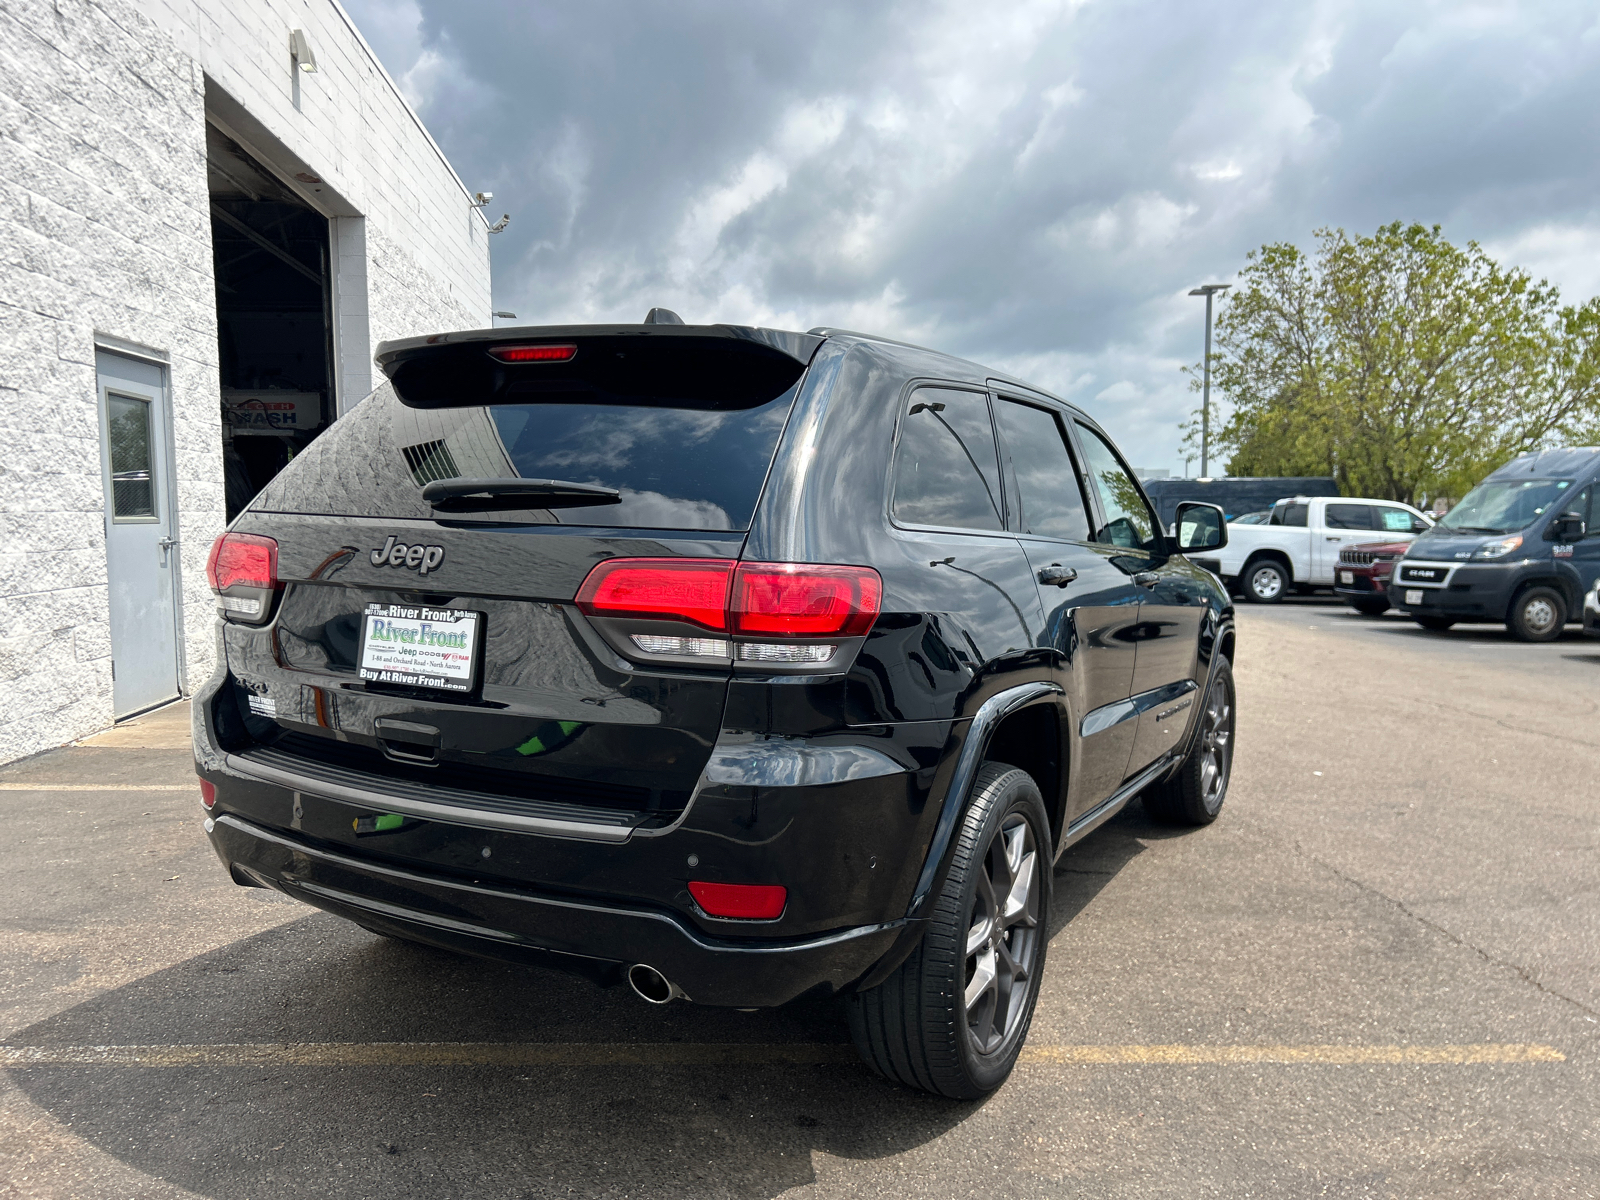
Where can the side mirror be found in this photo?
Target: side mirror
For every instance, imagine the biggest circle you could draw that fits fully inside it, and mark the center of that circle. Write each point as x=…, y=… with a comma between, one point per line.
x=1200, y=527
x=1568, y=527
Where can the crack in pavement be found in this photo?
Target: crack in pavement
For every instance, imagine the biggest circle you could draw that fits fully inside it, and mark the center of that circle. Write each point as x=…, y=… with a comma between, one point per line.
x=1522, y=972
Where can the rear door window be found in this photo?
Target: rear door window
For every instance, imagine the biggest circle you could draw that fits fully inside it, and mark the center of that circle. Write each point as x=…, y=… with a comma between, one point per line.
x=946, y=469
x=1349, y=516
x=1289, y=514
x=676, y=467
x=1049, y=495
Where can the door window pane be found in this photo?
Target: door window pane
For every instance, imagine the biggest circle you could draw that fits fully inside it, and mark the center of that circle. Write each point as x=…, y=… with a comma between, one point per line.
x=1047, y=480
x=946, y=470
x=1397, y=520
x=132, y=490
x=1289, y=514
x=1129, y=521
x=1350, y=516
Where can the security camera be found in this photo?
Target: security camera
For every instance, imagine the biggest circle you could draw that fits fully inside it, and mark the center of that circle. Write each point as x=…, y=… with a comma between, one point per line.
x=482, y=199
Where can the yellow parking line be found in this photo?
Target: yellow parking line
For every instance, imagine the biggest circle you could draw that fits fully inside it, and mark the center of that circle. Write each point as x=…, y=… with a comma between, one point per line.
x=1460, y=1055
x=97, y=787
x=595, y=1054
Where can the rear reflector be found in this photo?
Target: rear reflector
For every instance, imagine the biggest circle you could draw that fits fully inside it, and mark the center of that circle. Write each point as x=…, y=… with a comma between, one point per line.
x=208, y=793
x=242, y=560
x=744, y=901
x=532, y=354
x=669, y=589
x=765, y=600
x=801, y=600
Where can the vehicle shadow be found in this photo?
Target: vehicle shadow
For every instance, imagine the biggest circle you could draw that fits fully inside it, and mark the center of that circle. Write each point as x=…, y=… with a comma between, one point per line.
x=487, y=1130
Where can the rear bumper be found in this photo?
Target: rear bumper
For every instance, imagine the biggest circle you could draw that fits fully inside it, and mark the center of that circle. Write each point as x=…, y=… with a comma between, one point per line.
x=497, y=921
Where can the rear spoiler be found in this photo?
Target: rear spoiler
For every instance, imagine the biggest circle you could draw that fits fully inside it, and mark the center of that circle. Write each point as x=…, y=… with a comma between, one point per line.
x=675, y=366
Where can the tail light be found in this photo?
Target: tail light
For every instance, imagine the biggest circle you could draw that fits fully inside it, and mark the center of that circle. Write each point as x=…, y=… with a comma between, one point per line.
x=797, y=600
x=243, y=571
x=668, y=589
x=208, y=793
x=742, y=901
x=778, y=614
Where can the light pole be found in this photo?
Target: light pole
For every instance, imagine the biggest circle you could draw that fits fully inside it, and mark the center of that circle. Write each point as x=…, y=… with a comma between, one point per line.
x=1207, y=290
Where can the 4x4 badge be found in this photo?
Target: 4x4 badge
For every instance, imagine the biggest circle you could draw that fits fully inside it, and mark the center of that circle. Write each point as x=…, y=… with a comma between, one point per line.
x=397, y=554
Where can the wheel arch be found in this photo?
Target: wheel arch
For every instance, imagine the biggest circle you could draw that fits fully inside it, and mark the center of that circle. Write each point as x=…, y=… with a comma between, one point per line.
x=1562, y=586
x=1273, y=554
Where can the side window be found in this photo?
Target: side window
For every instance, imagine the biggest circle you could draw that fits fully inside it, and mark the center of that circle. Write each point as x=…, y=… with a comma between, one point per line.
x=1350, y=516
x=1591, y=519
x=1397, y=520
x=1129, y=521
x=1289, y=514
x=1051, y=500
x=946, y=470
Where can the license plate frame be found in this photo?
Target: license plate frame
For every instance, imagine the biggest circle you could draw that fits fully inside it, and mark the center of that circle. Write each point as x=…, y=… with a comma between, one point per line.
x=1347, y=577
x=436, y=650
x=1413, y=595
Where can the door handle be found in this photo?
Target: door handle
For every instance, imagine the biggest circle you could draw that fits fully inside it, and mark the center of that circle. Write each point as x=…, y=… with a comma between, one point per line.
x=1147, y=578
x=1057, y=574
x=166, y=543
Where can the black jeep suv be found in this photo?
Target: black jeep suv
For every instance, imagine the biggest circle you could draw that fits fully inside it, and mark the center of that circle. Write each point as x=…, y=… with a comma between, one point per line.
x=733, y=663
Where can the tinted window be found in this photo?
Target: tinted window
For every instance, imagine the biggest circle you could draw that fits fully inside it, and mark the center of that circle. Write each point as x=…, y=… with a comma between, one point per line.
x=1350, y=516
x=946, y=471
x=1289, y=514
x=1128, y=520
x=1047, y=480
x=677, y=468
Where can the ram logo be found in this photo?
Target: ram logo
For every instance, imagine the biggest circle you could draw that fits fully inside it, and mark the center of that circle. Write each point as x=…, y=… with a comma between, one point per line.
x=395, y=553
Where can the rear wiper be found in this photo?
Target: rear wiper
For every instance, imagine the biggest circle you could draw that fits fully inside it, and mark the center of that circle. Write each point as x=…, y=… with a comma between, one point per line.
x=488, y=495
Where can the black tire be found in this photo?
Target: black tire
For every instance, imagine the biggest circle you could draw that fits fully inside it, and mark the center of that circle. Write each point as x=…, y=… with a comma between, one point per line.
x=1370, y=608
x=1265, y=581
x=1194, y=795
x=916, y=1027
x=1435, y=624
x=1538, y=614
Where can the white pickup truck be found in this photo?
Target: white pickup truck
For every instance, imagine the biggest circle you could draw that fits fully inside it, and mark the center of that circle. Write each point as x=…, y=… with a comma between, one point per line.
x=1300, y=543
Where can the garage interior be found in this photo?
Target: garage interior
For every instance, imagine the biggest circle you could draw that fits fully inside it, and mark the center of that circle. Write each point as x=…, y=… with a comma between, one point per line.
x=274, y=317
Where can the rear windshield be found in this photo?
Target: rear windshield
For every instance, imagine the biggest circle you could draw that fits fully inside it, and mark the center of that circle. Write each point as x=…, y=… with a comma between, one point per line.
x=677, y=468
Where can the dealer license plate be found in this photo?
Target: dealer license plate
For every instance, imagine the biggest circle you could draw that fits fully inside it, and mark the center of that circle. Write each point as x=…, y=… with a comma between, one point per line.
x=1413, y=595
x=420, y=647
x=1347, y=576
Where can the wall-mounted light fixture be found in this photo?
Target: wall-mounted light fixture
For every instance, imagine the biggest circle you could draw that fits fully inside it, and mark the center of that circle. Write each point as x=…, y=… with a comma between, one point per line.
x=300, y=51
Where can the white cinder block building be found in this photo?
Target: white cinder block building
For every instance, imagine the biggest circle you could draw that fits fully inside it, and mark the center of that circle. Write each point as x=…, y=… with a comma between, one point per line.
x=201, y=240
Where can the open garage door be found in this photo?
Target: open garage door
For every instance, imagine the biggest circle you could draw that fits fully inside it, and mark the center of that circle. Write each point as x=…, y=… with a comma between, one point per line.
x=274, y=317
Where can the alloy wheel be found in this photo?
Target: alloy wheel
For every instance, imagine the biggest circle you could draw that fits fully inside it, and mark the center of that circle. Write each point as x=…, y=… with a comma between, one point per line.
x=1266, y=583
x=1216, y=746
x=1002, y=937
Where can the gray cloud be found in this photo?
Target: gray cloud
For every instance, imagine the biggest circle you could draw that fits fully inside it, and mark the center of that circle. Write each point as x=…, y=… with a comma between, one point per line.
x=1033, y=185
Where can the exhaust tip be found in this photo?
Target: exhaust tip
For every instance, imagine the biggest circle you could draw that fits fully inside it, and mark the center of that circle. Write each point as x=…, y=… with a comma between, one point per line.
x=651, y=986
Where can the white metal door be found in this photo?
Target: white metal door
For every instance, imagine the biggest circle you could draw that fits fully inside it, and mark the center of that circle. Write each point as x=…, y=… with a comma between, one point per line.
x=141, y=532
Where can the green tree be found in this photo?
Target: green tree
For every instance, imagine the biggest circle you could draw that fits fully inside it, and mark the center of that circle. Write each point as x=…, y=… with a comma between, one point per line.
x=1402, y=365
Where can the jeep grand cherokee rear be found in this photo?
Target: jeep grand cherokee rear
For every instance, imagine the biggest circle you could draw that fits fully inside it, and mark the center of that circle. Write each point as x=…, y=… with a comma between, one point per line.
x=715, y=659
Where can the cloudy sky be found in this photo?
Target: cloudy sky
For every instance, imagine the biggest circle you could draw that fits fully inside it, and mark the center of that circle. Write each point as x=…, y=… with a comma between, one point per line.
x=1034, y=185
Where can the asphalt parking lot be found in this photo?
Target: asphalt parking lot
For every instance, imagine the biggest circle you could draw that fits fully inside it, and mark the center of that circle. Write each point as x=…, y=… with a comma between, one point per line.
x=1378, y=974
